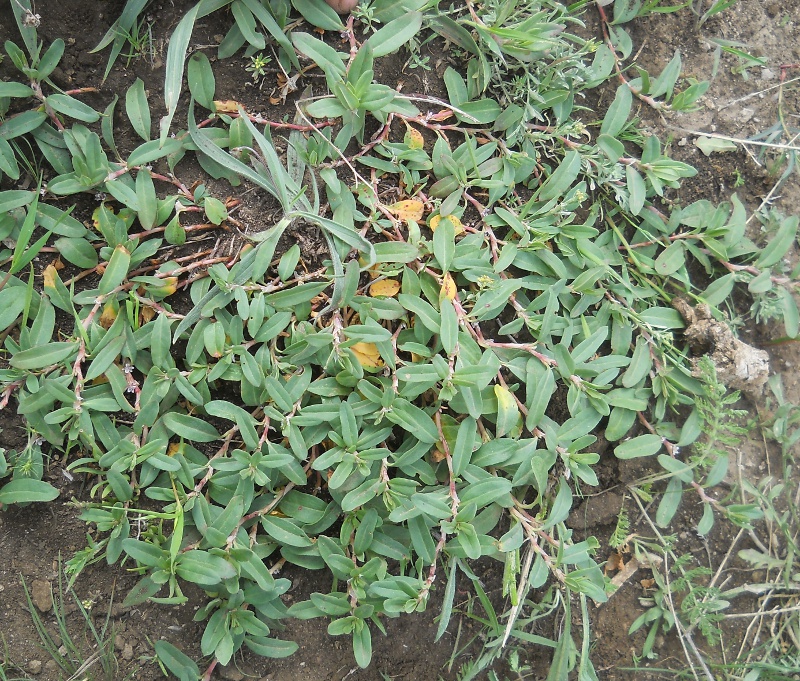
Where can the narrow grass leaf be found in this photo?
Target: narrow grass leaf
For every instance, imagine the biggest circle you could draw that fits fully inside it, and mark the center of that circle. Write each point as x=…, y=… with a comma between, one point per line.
x=176, y=55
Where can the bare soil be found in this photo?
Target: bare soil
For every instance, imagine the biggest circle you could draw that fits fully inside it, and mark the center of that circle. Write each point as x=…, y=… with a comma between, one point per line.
x=737, y=104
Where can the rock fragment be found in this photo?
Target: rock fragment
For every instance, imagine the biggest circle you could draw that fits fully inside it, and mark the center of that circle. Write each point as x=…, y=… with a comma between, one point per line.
x=42, y=595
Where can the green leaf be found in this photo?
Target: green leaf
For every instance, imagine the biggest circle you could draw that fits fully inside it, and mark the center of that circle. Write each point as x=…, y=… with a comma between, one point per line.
x=43, y=356
x=179, y=664
x=261, y=13
x=318, y=13
x=709, y=145
x=669, y=502
x=642, y=445
x=105, y=358
x=449, y=331
x=618, y=112
x=325, y=56
x=562, y=504
x=246, y=23
x=557, y=184
x=271, y=647
x=116, y=270
x=141, y=592
x=507, y=411
x=11, y=306
x=665, y=83
x=678, y=468
x=395, y=34
x=423, y=310
x=22, y=123
x=362, y=645
x=641, y=363
x=147, y=199
x=215, y=210
x=190, y=427
x=479, y=112
x=662, y=317
x=69, y=106
x=779, y=244
x=176, y=55
x=152, y=151
x=285, y=531
x=706, y=521
x=485, y=492
x=671, y=259
x=444, y=244
x=12, y=89
x=636, y=189
x=138, y=109
x=15, y=198
x=26, y=490
x=203, y=568
x=413, y=420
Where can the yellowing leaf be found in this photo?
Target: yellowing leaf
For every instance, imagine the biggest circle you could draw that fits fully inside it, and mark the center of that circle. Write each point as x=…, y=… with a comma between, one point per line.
x=384, y=287
x=49, y=276
x=413, y=138
x=367, y=355
x=458, y=226
x=227, y=106
x=169, y=287
x=175, y=448
x=410, y=209
x=109, y=314
x=449, y=289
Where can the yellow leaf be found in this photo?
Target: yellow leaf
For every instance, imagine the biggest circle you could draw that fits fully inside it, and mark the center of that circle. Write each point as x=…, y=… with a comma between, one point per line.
x=110, y=310
x=367, y=355
x=410, y=209
x=458, y=226
x=49, y=276
x=384, y=287
x=437, y=455
x=449, y=289
x=227, y=106
x=413, y=138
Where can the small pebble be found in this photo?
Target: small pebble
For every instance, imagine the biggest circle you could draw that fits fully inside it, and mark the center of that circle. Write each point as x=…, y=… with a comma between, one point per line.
x=34, y=666
x=127, y=652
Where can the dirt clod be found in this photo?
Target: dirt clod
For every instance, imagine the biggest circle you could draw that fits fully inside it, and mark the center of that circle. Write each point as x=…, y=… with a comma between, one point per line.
x=739, y=366
x=599, y=510
x=42, y=595
x=230, y=673
x=34, y=667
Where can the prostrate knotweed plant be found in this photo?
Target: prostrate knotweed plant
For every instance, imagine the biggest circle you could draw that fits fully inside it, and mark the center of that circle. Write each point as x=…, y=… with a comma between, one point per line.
x=498, y=286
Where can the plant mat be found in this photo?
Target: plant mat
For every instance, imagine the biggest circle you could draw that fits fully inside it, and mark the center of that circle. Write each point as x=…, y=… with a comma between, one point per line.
x=306, y=583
